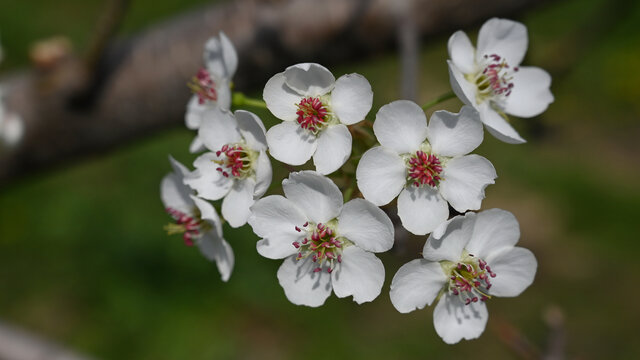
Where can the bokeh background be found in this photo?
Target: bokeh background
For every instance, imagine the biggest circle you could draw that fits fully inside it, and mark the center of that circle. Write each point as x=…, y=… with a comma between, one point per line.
x=84, y=260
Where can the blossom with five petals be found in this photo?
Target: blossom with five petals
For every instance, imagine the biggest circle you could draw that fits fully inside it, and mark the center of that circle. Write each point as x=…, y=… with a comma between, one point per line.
x=425, y=164
x=316, y=109
x=491, y=79
x=469, y=260
x=325, y=244
x=211, y=86
x=196, y=219
x=237, y=166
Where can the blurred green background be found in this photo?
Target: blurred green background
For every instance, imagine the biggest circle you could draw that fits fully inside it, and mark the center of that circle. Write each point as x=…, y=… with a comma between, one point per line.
x=85, y=262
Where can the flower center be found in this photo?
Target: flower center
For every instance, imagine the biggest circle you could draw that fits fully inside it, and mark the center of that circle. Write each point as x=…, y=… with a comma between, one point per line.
x=237, y=161
x=322, y=244
x=191, y=227
x=495, y=80
x=424, y=169
x=313, y=114
x=469, y=278
x=203, y=86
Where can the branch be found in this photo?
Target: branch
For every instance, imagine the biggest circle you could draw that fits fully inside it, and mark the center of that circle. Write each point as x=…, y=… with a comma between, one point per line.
x=141, y=87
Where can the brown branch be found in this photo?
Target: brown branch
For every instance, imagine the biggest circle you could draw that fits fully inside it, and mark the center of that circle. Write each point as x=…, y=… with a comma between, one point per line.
x=142, y=84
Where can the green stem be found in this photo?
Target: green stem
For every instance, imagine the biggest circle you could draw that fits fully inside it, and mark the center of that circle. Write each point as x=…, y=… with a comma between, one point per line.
x=240, y=99
x=438, y=100
x=348, y=193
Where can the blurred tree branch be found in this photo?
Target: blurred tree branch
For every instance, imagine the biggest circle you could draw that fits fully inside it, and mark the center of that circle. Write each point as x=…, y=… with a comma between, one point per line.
x=139, y=83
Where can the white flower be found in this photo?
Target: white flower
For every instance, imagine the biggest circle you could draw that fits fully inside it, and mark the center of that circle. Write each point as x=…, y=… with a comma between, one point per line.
x=425, y=164
x=211, y=85
x=237, y=168
x=491, y=79
x=315, y=109
x=11, y=125
x=473, y=260
x=196, y=219
x=326, y=245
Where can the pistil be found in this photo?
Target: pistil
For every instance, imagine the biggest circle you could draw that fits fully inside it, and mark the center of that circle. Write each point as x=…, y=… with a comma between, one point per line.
x=321, y=244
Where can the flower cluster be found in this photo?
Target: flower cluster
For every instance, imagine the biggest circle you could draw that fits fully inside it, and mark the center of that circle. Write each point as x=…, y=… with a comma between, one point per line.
x=327, y=240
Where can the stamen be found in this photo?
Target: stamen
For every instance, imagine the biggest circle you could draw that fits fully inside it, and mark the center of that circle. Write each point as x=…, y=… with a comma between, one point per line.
x=495, y=81
x=424, y=169
x=186, y=225
x=469, y=279
x=312, y=114
x=203, y=86
x=320, y=244
x=237, y=162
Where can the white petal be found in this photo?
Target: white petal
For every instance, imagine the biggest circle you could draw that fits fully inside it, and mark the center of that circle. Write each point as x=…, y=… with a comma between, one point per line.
x=274, y=219
x=223, y=89
x=441, y=229
x=218, y=128
x=421, y=209
x=381, y=175
x=450, y=244
x=351, y=98
x=503, y=37
x=281, y=100
x=366, y=225
x=494, y=230
x=309, y=79
x=316, y=195
x=235, y=206
x=196, y=145
x=464, y=90
x=416, y=284
x=461, y=52
x=220, y=56
x=498, y=126
x=209, y=214
x=217, y=249
x=264, y=174
x=178, y=167
x=252, y=130
x=301, y=285
x=401, y=126
x=531, y=94
x=464, y=181
x=334, y=148
x=206, y=180
x=454, y=321
x=193, y=116
x=455, y=134
x=291, y=144
x=175, y=194
x=515, y=269
x=360, y=274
